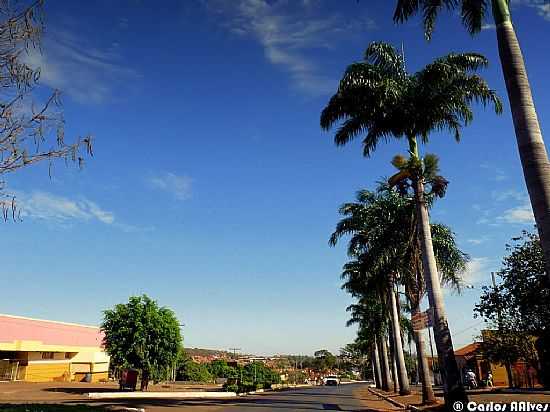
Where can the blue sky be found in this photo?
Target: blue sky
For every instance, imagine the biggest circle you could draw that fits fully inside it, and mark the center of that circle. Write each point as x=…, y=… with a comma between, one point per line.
x=213, y=189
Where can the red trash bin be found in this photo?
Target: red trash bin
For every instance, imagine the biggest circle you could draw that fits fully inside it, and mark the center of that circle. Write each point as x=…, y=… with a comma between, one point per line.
x=128, y=379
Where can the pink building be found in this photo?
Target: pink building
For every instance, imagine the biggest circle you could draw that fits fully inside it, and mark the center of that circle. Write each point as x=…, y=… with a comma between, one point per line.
x=43, y=350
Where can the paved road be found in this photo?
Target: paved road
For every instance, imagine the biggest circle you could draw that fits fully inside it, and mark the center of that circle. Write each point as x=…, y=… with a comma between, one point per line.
x=326, y=398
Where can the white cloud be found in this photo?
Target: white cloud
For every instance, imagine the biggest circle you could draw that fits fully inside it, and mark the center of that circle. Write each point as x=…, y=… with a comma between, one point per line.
x=488, y=27
x=86, y=73
x=544, y=11
x=478, y=241
x=179, y=186
x=288, y=31
x=541, y=6
x=47, y=206
x=520, y=214
x=507, y=195
x=477, y=270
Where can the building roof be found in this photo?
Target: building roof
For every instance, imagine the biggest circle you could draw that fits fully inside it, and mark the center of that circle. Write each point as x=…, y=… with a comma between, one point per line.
x=467, y=350
x=47, y=332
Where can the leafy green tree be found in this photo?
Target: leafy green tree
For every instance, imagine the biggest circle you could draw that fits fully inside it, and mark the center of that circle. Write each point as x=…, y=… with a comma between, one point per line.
x=519, y=306
x=379, y=99
x=507, y=347
x=352, y=357
x=141, y=335
x=194, y=372
x=324, y=360
x=220, y=369
x=532, y=151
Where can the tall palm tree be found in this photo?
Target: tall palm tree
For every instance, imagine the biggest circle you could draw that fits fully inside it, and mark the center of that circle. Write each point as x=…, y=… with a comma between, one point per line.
x=375, y=263
x=532, y=151
x=370, y=314
x=378, y=98
x=389, y=220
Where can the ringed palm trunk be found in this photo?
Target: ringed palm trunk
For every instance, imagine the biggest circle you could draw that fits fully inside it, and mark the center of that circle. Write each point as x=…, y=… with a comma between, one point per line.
x=394, y=371
x=376, y=362
x=452, y=385
x=428, y=396
x=386, y=378
x=404, y=388
x=532, y=152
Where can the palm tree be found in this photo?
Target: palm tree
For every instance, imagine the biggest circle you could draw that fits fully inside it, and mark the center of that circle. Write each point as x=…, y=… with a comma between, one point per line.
x=378, y=98
x=532, y=151
x=388, y=219
x=370, y=314
x=374, y=262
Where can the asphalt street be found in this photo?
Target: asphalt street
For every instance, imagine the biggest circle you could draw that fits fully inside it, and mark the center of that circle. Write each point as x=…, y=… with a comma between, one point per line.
x=322, y=398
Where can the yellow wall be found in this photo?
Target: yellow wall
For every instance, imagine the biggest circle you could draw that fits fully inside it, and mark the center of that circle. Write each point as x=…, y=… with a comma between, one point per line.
x=44, y=372
x=96, y=377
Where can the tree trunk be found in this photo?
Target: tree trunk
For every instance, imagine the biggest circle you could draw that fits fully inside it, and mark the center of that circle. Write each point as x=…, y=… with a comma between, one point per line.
x=404, y=388
x=532, y=152
x=386, y=378
x=510, y=375
x=428, y=396
x=376, y=362
x=453, y=389
x=396, y=386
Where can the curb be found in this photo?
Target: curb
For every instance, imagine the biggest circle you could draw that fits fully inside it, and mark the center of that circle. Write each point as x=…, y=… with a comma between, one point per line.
x=387, y=398
x=161, y=395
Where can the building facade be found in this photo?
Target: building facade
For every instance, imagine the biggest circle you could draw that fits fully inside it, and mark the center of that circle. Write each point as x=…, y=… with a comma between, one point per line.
x=37, y=350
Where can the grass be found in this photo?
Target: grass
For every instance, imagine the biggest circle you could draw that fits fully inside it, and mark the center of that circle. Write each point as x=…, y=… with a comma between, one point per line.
x=49, y=408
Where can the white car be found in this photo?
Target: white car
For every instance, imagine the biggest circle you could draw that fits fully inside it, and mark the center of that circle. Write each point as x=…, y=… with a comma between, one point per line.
x=331, y=380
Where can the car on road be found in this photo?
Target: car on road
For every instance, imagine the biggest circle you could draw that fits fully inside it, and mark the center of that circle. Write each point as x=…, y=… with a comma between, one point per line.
x=331, y=380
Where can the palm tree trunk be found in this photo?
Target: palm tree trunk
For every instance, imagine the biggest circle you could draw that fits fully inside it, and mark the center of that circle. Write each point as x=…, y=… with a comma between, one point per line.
x=396, y=386
x=386, y=378
x=532, y=152
x=428, y=396
x=452, y=385
x=404, y=388
x=377, y=372
x=451, y=376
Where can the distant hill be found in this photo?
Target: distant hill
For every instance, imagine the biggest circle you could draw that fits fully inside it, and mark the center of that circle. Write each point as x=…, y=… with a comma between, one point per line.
x=205, y=352
x=213, y=352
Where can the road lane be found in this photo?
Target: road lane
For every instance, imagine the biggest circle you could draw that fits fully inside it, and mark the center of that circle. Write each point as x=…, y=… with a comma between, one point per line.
x=321, y=398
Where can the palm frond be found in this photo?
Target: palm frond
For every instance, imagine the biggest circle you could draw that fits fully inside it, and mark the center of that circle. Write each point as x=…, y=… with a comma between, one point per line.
x=473, y=13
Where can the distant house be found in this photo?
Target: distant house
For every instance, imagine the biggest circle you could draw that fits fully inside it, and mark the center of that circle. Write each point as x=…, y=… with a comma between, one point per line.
x=37, y=350
x=470, y=357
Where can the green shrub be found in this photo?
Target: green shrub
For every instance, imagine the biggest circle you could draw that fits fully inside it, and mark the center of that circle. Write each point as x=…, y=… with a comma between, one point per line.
x=231, y=387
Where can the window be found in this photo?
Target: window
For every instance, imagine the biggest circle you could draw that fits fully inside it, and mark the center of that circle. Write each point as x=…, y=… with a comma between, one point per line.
x=68, y=355
x=47, y=355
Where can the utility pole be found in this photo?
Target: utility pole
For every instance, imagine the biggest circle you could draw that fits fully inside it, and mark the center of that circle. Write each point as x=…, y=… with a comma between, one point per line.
x=499, y=315
x=235, y=352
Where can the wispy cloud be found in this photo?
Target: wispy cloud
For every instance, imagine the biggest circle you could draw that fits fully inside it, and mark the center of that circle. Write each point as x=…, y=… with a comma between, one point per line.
x=507, y=195
x=477, y=270
x=499, y=174
x=510, y=206
x=478, y=240
x=71, y=63
x=179, y=186
x=519, y=215
x=289, y=31
x=47, y=206
x=488, y=26
x=542, y=6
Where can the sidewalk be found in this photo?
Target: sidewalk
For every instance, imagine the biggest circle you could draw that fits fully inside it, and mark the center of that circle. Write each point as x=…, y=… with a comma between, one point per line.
x=380, y=400
x=376, y=399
